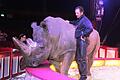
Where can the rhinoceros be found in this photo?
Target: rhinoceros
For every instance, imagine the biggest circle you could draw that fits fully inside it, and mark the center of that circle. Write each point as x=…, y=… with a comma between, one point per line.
x=57, y=44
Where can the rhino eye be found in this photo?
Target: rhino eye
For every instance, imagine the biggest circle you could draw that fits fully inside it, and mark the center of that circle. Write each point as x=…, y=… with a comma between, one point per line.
x=42, y=48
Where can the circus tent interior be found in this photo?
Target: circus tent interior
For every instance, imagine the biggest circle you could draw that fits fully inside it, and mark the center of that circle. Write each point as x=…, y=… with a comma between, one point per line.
x=16, y=17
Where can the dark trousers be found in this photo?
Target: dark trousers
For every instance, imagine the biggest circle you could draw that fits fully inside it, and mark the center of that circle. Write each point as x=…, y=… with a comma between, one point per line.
x=81, y=58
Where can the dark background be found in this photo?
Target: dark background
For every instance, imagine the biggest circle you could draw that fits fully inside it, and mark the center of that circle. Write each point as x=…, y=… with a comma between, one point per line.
x=20, y=13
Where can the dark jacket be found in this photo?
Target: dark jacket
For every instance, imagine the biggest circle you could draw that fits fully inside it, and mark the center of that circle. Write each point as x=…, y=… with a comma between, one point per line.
x=83, y=27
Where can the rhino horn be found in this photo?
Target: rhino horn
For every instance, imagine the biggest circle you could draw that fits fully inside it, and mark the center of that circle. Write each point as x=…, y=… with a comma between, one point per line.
x=24, y=49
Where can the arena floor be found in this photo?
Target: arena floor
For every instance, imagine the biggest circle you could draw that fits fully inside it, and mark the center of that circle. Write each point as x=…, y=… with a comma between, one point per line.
x=103, y=73
x=98, y=73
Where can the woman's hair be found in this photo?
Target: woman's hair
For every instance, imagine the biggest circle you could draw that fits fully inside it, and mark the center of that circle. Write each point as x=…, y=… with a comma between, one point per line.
x=21, y=35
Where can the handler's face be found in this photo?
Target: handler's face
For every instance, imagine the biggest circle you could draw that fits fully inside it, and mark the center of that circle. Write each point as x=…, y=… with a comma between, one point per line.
x=78, y=13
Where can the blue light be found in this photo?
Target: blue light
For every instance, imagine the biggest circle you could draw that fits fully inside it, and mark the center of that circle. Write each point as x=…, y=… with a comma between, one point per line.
x=101, y=2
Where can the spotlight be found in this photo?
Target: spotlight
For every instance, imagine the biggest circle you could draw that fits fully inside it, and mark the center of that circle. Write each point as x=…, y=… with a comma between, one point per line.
x=2, y=15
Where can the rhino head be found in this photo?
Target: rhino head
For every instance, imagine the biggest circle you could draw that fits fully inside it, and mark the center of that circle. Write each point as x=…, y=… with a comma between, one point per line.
x=37, y=54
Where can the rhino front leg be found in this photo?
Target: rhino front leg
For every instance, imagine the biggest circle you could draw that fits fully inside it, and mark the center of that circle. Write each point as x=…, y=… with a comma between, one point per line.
x=68, y=58
x=56, y=64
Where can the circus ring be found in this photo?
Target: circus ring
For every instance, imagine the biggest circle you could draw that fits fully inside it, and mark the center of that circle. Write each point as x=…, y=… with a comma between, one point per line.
x=106, y=60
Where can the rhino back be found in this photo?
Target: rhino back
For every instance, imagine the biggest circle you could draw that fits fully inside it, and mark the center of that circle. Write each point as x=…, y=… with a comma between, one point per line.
x=61, y=35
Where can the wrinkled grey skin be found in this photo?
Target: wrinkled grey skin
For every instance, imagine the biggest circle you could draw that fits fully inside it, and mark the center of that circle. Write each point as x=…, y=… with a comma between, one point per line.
x=56, y=43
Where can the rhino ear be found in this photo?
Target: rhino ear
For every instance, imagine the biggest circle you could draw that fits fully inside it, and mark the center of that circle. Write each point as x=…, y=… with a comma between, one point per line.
x=44, y=25
x=33, y=24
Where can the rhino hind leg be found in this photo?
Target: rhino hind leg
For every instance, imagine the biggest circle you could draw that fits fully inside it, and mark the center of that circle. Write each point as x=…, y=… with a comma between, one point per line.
x=91, y=57
x=90, y=62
